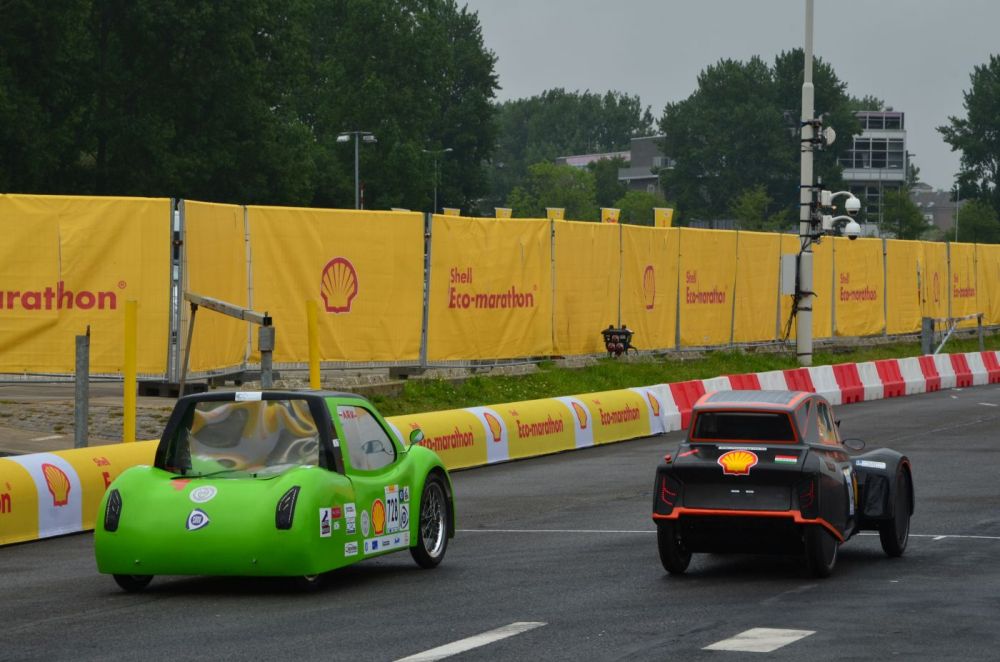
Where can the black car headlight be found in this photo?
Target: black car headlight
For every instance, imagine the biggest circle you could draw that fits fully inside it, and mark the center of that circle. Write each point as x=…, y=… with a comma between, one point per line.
x=113, y=511
x=285, y=511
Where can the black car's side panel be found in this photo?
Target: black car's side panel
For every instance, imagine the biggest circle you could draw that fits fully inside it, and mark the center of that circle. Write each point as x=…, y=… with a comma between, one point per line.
x=877, y=472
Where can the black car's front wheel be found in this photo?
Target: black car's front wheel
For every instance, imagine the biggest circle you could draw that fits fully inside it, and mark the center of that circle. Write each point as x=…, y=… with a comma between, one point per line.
x=133, y=583
x=821, y=551
x=895, y=533
x=674, y=556
x=432, y=529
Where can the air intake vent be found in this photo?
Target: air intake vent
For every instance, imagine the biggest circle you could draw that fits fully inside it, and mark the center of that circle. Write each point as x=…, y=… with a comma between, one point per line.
x=286, y=509
x=113, y=511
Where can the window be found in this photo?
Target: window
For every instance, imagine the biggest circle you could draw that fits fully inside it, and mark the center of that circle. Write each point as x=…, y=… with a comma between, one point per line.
x=368, y=446
x=827, y=428
x=743, y=426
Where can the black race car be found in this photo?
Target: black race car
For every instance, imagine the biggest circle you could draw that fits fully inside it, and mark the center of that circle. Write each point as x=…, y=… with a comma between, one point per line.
x=767, y=472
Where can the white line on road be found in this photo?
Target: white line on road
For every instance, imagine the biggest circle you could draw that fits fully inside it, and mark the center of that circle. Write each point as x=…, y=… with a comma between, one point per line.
x=48, y=438
x=935, y=536
x=759, y=640
x=989, y=404
x=462, y=645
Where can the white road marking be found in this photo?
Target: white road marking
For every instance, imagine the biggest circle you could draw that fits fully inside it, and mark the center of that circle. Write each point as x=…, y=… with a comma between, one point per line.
x=935, y=536
x=954, y=397
x=462, y=645
x=48, y=438
x=989, y=404
x=759, y=640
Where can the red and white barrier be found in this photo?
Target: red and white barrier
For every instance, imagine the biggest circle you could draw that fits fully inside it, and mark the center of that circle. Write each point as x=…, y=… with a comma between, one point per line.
x=913, y=375
x=873, y=388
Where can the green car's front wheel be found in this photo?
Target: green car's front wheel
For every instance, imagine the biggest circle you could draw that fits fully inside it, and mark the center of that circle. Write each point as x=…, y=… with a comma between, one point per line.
x=432, y=535
x=133, y=583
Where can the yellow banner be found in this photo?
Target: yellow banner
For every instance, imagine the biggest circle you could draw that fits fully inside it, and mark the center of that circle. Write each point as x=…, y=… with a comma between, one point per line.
x=988, y=277
x=18, y=504
x=617, y=415
x=755, y=310
x=537, y=427
x=858, y=295
x=649, y=285
x=587, y=264
x=707, y=274
x=456, y=435
x=215, y=246
x=904, y=260
x=934, y=270
x=555, y=213
x=963, y=290
x=663, y=217
x=503, y=212
x=490, y=289
x=67, y=263
x=610, y=214
x=364, y=268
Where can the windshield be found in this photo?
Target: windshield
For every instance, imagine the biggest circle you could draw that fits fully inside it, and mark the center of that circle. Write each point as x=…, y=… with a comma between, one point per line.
x=743, y=426
x=244, y=438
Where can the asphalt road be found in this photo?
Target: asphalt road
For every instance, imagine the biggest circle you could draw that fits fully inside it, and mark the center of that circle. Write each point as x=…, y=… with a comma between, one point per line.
x=566, y=544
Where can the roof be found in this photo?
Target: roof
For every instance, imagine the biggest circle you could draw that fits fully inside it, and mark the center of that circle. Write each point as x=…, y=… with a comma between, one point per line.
x=783, y=400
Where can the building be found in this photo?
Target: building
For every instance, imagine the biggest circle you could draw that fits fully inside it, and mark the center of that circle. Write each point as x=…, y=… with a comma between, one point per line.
x=877, y=161
x=643, y=157
x=937, y=206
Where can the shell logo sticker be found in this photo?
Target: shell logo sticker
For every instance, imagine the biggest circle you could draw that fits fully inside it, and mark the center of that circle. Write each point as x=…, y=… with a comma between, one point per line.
x=649, y=287
x=58, y=483
x=494, y=424
x=581, y=415
x=654, y=403
x=338, y=285
x=378, y=517
x=737, y=463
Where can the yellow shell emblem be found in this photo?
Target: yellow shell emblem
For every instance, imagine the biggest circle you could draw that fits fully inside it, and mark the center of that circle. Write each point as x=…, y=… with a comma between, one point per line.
x=581, y=415
x=494, y=424
x=737, y=463
x=339, y=285
x=378, y=517
x=58, y=483
x=649, y=287
x=654, y=403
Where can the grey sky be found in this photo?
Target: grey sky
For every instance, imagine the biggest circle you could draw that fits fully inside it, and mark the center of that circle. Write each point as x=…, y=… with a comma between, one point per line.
x=914, y=54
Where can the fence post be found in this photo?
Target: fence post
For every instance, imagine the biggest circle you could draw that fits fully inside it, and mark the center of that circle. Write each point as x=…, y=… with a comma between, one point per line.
x=265, y=341
x=312, y=313
x=81, y=412
x=130, y=387
x=926, y=335
x=979, y=325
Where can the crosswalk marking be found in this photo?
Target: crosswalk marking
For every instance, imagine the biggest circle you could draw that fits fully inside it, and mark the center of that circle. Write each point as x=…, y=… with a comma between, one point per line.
x=760, y=640
x=462, y=645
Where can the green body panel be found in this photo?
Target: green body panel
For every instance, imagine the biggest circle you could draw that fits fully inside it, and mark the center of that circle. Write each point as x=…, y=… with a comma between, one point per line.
x=156, y=537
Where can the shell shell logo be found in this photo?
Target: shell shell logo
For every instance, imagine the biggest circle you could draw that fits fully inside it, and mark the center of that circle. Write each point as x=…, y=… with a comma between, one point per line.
x=649, y=287
x=494, y=424
x=58, y=483
x=581, y=414
x=338, y=285
x=378, y=517
x=737, y=463
x=654, y=403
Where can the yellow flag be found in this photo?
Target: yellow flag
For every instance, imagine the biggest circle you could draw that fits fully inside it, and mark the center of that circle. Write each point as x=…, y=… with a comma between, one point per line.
x=502, y=212
x=610, y=214
x=452, y=211
x=663, y=217
x=555, y=213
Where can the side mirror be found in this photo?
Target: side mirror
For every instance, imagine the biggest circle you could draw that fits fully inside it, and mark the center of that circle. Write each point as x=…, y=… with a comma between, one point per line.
x=854, y=444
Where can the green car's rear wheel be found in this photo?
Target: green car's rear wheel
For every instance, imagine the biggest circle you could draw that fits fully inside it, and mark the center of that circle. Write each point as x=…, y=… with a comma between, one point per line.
x=432, y=534
x=133, y=583
x=674, y=556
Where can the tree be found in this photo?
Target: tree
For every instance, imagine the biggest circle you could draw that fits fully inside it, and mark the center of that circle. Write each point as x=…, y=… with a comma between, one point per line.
x=740, y=130
x=607, y=187
x=637, y=207
x=550, y=185
x=977, y=135
x=978, y=223
x=754, y=210
x=901, y=216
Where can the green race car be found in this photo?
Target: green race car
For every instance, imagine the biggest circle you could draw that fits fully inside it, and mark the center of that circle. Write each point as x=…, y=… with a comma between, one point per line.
x=273, y=483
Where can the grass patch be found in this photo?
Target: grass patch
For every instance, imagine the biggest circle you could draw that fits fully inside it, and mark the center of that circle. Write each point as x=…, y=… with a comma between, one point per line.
x=421, y=395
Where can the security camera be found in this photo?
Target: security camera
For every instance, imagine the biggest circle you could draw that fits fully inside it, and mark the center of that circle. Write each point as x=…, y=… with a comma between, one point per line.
x=852, y=230
x=852, y=206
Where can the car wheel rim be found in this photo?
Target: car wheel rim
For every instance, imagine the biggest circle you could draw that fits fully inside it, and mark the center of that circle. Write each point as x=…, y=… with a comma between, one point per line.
x=432, y=520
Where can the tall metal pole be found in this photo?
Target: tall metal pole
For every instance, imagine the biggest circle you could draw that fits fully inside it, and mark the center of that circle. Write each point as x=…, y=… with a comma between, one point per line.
x=803, y=335
x=357, y=183
x=435, y=185
x=958, y=200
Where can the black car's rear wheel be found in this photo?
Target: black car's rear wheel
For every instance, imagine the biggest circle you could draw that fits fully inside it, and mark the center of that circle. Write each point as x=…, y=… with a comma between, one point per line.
x=133, y=583
x=821, y=551
x=432, y=530
x=895, y=533
x=674, y=556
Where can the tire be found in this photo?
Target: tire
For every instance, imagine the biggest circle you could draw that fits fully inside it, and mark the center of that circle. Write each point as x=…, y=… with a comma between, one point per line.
x=673, y=555
x=433, y=525
x=307, y=583
x=133, y=583
x=821, y=551
x=895, y=533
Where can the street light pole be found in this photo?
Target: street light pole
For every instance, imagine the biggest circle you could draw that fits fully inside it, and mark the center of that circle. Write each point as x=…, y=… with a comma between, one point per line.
x=803, y=334
x=958, y=200
x=366, y=136
x=435, y=153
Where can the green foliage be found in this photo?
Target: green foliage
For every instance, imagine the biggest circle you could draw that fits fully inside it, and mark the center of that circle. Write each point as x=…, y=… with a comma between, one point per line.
x=754, y=210
x=560, y=123
x=740, y=130
x=637, y=207
x=978, y=223
x=977, y=135
x=242, y=100
x=607, y=188
x=901, y=216
x=550, y=185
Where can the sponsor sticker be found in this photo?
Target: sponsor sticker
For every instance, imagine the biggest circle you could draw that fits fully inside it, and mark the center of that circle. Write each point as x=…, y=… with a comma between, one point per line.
x=324, y=522
x=786, y=459
x=365, y=523
x=387, y=543
x=198, y=519
x=737, y=462
x=336, y=512
x=404, y=515
x=404, y=493
x=349, y=518
x=742, y=448
x=350, y=549
x=868, y=464
x=203, y=494
x=378, y=517
x=392, y=510
x=248, y=396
